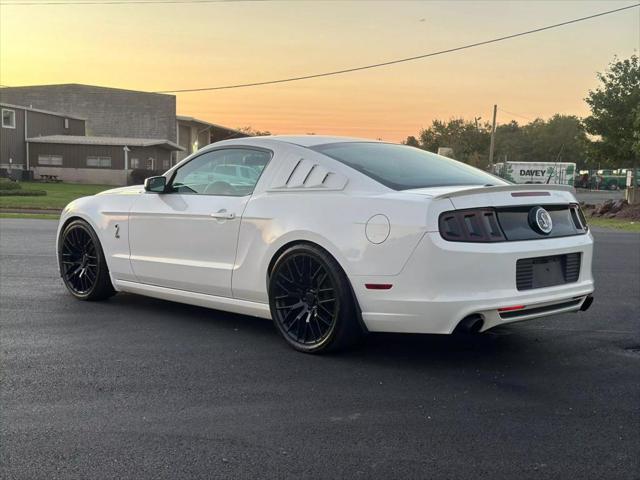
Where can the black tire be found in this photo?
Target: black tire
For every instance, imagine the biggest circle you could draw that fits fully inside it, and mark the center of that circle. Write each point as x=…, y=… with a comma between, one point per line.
x=82, y=264
x=311, y=301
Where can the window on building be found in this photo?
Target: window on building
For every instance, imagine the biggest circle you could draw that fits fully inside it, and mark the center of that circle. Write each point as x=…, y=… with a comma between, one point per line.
x=102, y=162
x=149, y=163
x=66, y=123
x=50, y=160
x=8, y=118
x=135, y=163
x=166, y=164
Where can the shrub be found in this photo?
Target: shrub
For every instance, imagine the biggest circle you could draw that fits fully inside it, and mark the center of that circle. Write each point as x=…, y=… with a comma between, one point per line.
x=9, y=185
x=21, y=193
x=138, y=175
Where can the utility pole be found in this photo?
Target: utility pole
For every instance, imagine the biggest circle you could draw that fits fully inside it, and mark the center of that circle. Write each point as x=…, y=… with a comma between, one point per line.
x=493, y=138
x=126, y=164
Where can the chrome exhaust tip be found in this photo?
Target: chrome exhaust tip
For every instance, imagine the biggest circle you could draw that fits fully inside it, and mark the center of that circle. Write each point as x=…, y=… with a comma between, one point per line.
x=470, y=324
x=587, y=303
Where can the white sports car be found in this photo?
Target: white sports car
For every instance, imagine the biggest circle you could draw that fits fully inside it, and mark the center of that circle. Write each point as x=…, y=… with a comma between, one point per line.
x=334, y=237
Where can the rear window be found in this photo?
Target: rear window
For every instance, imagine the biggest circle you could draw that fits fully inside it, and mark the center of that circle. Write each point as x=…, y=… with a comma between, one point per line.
x=401, y=167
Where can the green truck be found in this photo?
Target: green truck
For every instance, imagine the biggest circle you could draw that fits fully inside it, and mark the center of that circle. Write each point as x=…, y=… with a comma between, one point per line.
x=605, y=179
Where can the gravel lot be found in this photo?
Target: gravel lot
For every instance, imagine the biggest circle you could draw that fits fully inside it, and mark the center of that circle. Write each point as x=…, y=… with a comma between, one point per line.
x=142, y=388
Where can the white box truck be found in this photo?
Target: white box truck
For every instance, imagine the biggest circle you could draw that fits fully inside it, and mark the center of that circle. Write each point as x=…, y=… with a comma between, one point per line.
x=551, y=173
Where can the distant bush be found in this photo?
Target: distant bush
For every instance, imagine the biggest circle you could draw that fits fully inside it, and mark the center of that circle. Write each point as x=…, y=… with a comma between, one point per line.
x=138, y=175
x=9, y=185
x=21, y=193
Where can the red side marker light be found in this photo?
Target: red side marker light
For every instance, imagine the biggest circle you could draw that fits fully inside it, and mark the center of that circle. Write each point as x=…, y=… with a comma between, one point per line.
x=378, y=286
x=514, y=307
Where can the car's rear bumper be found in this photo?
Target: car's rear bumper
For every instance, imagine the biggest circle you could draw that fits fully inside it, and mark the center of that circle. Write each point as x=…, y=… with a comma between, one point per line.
x=445, y=282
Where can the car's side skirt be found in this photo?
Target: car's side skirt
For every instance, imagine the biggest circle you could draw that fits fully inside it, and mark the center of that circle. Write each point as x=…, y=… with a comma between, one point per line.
x=243, y=307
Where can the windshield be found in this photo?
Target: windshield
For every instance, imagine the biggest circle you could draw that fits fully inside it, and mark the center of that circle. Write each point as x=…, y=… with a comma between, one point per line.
x=401, y=167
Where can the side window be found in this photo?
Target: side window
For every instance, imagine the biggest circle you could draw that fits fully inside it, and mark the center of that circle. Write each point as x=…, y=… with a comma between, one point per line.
x=55, y=160
x=8, y=118
x=221, y=172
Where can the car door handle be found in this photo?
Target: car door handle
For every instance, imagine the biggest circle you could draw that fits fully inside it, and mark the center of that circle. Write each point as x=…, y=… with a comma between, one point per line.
x=223, y=214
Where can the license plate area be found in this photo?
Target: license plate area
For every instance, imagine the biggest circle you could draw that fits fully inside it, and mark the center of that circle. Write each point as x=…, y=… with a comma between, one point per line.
x=540, y=272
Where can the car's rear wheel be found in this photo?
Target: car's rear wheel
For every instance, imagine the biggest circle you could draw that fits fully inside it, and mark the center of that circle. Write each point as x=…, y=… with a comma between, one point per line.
x=311, y=301
x=82, y=264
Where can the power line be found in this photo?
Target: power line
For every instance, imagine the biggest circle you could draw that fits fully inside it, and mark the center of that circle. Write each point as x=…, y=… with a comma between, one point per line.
x=401, y=60
x=124, y=2
x=517, y=115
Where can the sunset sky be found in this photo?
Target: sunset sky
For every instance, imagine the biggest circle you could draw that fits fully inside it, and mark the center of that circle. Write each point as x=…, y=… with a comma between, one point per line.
x=164, y=47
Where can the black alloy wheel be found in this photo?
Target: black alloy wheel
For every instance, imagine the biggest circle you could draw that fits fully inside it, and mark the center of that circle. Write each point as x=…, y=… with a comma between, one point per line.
x=81, y=261
x=311, y=301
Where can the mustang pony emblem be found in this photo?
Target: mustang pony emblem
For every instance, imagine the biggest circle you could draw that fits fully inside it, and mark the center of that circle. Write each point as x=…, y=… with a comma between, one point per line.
x=540, y=220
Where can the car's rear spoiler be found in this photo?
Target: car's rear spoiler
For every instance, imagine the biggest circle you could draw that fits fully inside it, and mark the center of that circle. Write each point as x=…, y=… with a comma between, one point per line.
x=533, y=188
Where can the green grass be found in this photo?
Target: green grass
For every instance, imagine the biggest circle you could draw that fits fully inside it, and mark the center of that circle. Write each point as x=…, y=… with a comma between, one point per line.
x=616, y=223
x=33, y=216
x=57, y=197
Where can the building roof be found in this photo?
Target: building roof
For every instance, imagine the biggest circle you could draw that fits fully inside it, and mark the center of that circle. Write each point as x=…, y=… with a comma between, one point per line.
x=84, y=85
x=184, y=118
x=111, y=141
x=58, y=114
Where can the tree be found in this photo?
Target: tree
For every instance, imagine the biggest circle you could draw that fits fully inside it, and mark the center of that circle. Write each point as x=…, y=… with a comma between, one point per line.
x=636, y=134
x=469, y=140
x=509, y=142
x=254, y=133
x=412, y=141
x=614, y=114
x=561, y=138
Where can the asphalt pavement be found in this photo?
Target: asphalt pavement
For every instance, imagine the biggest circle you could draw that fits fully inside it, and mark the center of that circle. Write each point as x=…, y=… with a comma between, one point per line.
x=594, y=197
x=142, y=388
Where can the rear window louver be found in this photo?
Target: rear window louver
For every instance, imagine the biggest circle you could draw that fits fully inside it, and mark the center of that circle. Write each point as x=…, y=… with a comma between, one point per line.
x=305, y=174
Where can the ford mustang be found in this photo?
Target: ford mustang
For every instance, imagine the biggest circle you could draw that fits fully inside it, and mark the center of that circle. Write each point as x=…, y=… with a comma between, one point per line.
x=332, y=238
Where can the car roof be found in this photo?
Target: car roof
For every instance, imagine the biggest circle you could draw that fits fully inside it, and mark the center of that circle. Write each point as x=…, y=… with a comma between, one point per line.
x=266, y=141
x=313, y=140
x=300, y=140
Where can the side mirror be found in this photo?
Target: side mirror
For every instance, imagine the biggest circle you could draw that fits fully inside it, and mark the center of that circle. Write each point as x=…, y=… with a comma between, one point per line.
x=155, y=184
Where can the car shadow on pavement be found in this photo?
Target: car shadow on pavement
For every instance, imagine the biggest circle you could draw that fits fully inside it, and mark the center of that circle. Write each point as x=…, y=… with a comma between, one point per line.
x=181, y=313
x=498, y=345
x=503, y=343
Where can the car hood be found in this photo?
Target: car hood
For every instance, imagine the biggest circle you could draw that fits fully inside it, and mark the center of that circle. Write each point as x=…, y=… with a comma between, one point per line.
x=131, y=190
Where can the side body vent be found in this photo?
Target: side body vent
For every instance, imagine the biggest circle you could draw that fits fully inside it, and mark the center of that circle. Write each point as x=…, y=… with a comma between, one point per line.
x=306, y=175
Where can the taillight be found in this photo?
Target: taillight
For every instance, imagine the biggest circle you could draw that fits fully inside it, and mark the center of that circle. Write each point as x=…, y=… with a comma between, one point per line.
x=472, y=225
x=578, y=217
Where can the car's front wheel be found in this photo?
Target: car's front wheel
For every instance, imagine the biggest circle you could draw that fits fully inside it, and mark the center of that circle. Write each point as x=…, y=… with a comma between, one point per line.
x=82, y=264
x=311, y=301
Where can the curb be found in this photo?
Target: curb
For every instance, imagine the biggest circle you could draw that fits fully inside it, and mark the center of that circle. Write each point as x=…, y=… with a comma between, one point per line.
x=31, y=211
